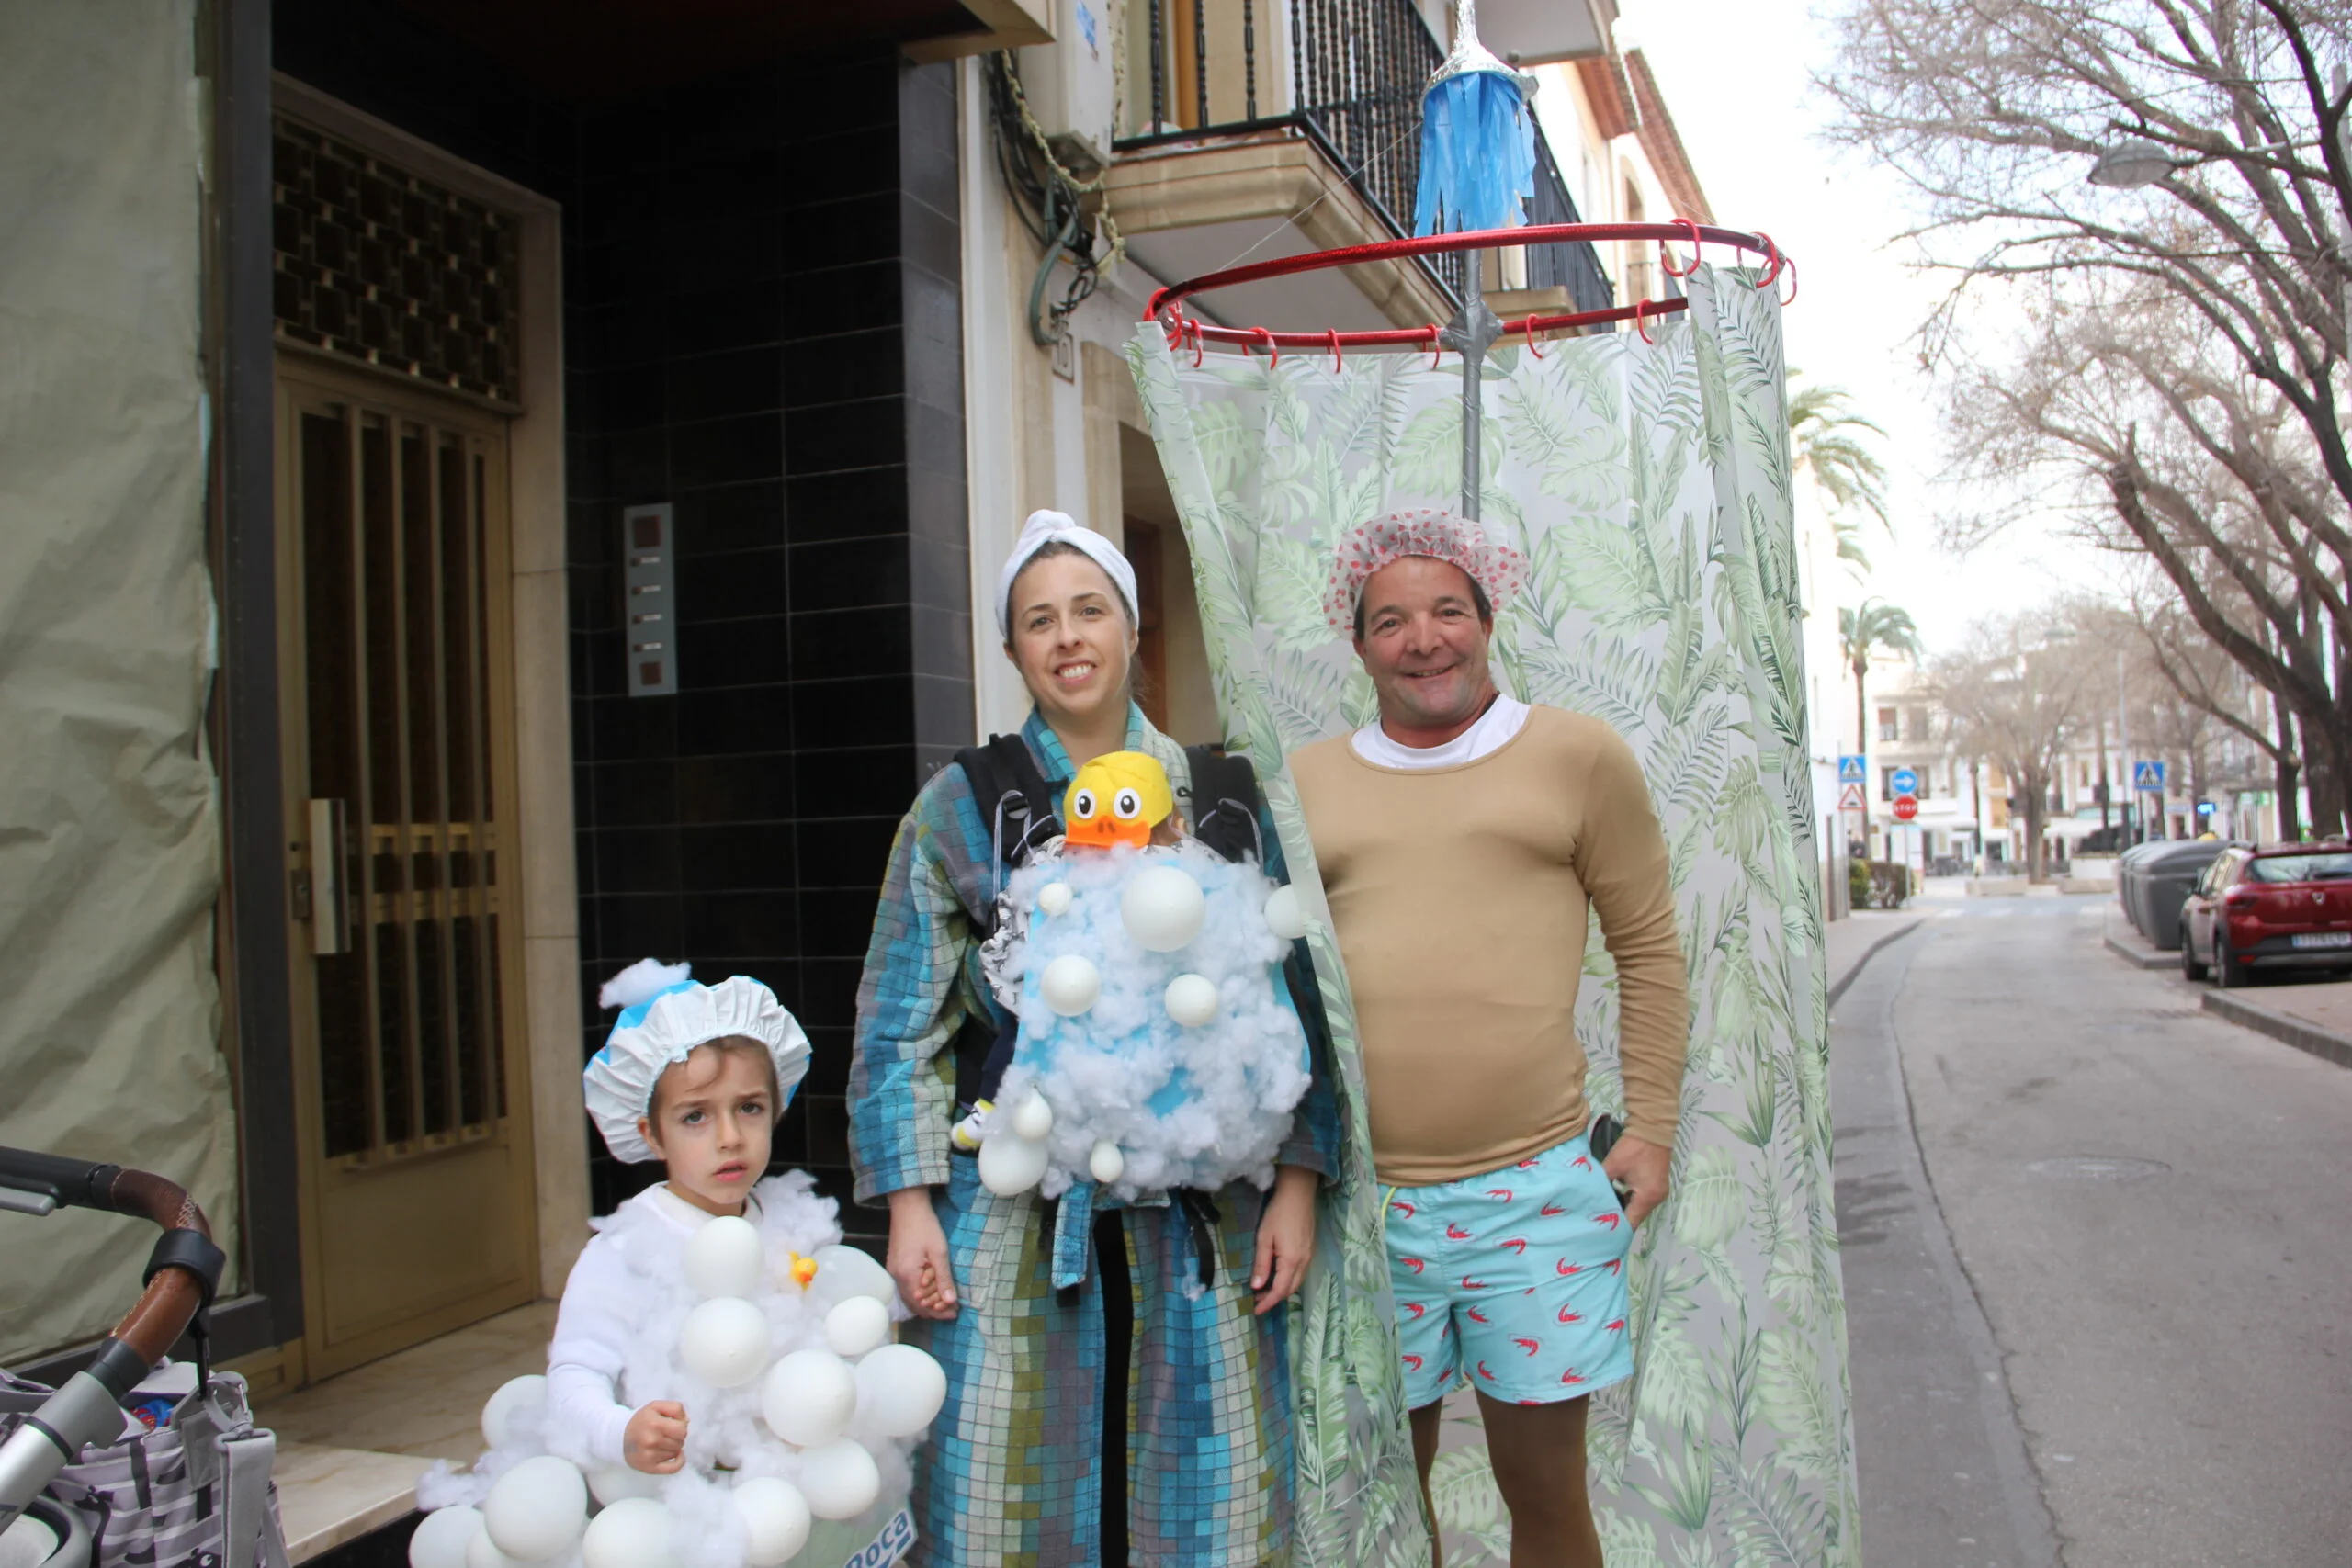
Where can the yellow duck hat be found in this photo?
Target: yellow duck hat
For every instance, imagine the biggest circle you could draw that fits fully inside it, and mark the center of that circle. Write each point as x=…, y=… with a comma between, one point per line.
x=1117, y=799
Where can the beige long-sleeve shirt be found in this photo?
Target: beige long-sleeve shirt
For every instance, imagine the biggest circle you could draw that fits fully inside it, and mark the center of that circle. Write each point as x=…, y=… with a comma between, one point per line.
x=1461, y=898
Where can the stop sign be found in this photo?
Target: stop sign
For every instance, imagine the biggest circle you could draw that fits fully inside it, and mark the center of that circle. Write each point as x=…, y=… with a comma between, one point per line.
x=1906, y=807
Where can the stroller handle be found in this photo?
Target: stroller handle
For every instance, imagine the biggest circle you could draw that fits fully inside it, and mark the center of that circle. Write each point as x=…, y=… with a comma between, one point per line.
x=182, y=1271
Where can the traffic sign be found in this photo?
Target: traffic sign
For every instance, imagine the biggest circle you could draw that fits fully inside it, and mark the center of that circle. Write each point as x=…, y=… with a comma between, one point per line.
x=1906, y=807
x=1906, y=781
x=1851, y=798
x=1850, y=771
x=2149, y=777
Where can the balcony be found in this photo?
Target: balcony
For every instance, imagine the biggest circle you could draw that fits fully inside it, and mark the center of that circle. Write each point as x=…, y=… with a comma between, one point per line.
x=1259, y=129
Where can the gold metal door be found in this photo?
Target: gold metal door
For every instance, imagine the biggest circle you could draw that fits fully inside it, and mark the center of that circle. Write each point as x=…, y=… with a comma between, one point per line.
x=417, y=1197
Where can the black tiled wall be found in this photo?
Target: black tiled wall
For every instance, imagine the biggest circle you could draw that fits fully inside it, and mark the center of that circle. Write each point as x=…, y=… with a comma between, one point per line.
x=765, y=314
x=762, y=327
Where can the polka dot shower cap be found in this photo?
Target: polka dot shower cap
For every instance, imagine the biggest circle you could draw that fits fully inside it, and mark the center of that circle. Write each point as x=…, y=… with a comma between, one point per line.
x=1427, y=531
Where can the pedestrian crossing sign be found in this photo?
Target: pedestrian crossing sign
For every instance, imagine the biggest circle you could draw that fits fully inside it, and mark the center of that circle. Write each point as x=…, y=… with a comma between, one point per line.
x=1850, y=771
x=1851, y=798
x=2148, y=777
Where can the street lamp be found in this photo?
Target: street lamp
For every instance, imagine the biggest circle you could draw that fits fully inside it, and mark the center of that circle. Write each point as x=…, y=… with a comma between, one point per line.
x=2134, y=161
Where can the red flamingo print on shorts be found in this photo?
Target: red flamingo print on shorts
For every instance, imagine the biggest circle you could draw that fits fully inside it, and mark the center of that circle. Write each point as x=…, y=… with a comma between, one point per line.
x=1535, y=1164
x=1413, y=1364
x=1485, y=1374
x=1475, y=1315
x=1580, y=1163
x=1533, y=1344
x=1403, y=1208
x=1565, y=1268
x=1617, y=1327
x=1570, y=1315
x=1499, y=1194
x=1412, y=1263
x=1470, y=1284
x=1455, y=1233
x=1611, y=1221
x=1416, y=1308
x=1514, y=1244
x=1553, y=1211
x=1614, y=1265
x=1572, y=1376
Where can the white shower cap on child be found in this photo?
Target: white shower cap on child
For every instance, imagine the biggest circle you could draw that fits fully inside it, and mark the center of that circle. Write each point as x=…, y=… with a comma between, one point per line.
x=664, y=1016
x=1060, y=528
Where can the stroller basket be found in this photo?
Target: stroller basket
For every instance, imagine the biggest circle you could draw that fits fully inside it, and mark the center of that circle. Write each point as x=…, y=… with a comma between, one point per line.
x=195, y=1491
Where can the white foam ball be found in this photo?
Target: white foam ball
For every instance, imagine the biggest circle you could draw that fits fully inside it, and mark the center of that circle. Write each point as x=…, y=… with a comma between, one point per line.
x=537, y=1509
x=1106, y=1164
x=1191, y=999
x=632, y=1533
x=726, y=1258
x=1162, y=907
x=1011, y=1164
x=843, y=1271
x=482, y=1552
x=900, y=1390
x=775, y=1519
x=608, y=1483
x=1034, y=1118
x=442, y=1536
x=809, y=1397
x=857, y=1325
x=725, y=1342
x=840, y=1479
x=1054, y=897
x=515, y=1397
x=1070, y=985
x=1286, y=914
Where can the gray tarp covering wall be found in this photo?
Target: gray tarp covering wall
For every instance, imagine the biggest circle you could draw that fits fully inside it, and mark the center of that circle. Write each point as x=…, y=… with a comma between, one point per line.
x=109, y=836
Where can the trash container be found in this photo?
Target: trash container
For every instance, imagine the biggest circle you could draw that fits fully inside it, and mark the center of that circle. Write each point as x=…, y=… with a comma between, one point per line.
x=2126, y=876
x=2165, y=880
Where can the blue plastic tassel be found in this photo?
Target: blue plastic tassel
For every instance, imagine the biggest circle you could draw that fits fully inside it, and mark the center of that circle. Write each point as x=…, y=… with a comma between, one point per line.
x=1477, y=154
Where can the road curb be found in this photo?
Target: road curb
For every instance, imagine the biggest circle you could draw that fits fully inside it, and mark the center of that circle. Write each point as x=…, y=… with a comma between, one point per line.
x=2138, y=957
x=2303, y=1035
x=1838, y=987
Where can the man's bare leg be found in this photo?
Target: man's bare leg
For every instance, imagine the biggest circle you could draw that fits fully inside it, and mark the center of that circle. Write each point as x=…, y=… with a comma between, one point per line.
x=1538, y=1455
x=1425, y=1435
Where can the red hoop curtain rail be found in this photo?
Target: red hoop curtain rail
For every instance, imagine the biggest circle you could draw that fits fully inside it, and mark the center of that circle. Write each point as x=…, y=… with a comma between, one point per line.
x=1181, y=327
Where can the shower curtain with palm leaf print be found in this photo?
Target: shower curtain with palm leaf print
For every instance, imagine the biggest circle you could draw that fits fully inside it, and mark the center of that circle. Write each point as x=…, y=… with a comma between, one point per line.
x=1648, y=486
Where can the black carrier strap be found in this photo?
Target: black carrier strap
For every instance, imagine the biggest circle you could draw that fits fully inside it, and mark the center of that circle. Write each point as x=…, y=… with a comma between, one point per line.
x=1225, y=803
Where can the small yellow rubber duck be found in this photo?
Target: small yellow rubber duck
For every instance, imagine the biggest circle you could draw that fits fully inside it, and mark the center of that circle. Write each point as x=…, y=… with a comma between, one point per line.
x=804, y=1270
x=1118, y=798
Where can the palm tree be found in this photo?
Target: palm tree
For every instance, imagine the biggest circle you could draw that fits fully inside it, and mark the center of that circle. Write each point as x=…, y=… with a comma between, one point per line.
x=1873, y=626
x=1826, y=442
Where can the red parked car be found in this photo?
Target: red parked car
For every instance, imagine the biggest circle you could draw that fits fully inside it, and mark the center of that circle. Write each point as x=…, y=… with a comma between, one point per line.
x=2278, y=906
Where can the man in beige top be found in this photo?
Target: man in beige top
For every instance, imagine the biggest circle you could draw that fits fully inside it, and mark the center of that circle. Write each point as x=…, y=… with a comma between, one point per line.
x=1465, y=841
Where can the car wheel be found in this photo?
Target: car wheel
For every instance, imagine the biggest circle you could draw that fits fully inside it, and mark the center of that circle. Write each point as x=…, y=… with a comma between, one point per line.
x=2189, y=968
x=2228, y=973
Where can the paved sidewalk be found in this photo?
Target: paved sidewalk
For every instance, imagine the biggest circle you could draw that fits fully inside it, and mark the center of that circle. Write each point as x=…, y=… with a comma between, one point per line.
x=2316, y=1018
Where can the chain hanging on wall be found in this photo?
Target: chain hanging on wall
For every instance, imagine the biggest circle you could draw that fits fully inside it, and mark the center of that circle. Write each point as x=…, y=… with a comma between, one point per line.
x=1052, y=202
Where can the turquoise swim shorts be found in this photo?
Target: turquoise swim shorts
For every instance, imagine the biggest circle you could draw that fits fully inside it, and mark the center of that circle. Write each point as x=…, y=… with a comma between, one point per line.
x=1514, y=1279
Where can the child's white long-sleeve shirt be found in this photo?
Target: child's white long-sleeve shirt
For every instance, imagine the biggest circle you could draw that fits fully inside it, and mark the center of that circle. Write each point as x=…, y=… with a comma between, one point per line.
x=605, y=1303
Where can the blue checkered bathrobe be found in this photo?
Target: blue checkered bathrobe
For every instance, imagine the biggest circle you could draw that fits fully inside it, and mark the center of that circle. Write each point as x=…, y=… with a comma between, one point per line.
x=1014, y=1471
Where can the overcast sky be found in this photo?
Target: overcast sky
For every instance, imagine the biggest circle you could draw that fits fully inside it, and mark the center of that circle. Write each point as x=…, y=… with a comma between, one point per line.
x=1737, y=75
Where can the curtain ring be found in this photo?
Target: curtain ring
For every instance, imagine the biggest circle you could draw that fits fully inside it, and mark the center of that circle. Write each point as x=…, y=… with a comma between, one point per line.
x=1173, y=325
x=1666, y=257
x=1641, y=310
x=1772, y=258
x=1200, y=344
x=1792, y=300
x=1530, y=325
x=1273, y=349
x=1431, y=330
x=1338, y=360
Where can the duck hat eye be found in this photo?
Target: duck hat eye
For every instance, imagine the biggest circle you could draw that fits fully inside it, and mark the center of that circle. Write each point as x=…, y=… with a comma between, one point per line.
x=1081, y=804
x=1126, y=806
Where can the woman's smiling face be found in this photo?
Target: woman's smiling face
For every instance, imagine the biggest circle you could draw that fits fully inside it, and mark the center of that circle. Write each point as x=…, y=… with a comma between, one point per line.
x=1072, y=640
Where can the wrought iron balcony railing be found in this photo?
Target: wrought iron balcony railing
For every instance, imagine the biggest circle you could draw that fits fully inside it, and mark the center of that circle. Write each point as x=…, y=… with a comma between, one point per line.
x=1357, y=70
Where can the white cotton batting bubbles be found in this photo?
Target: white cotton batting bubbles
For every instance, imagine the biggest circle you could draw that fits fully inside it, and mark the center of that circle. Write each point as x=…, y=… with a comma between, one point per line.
x=1162, y=907
x=775, y=1519
x=523, y=1396
x=1054, y=899
x=537, y=1509
x=725, y=1342
x=840, y=1479
x=726, y=1258
x=632, y=1533
x=1011, y=1164
x=900, y=1390
x=808, y=1398
x=1070, y=985
x=857, y=1325
x=1286, y=914
x=1191, y=999
x=442, y=1536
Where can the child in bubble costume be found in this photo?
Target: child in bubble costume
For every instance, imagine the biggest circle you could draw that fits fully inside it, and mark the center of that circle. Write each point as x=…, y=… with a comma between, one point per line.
x=723, y=1389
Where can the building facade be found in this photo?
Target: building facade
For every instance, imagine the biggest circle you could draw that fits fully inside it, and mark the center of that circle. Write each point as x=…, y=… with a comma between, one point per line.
x=597, y=434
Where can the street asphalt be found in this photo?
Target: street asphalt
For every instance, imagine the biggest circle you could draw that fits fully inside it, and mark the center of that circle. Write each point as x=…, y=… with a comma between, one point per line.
x=2098, y=1288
